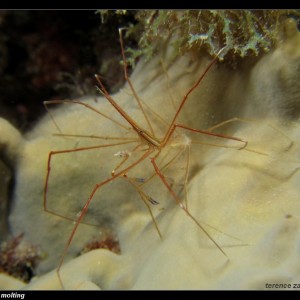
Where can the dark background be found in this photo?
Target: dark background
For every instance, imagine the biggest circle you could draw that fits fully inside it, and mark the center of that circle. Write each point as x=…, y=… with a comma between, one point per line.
x=54, y=54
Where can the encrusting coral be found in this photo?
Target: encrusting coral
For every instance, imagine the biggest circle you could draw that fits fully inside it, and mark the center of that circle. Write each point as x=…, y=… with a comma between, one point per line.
x=244, y=33
x=246, y=199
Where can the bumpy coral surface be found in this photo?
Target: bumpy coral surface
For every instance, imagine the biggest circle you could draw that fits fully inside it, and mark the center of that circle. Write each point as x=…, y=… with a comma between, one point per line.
x=243, y=32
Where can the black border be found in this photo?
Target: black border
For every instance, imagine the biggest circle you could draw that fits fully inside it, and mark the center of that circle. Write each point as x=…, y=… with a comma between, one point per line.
x=148, y=4
x=164, y=4
x=191, y=295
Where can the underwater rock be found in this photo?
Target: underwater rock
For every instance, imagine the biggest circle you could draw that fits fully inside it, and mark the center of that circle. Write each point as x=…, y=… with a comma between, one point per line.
x=246, y=199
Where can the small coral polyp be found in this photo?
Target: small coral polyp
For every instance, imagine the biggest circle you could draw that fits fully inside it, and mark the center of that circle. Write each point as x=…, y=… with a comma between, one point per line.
x=109, y=242
x=18, y=258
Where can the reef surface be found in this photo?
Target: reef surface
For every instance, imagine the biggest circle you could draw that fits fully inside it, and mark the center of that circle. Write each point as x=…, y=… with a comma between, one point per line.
x=246, y=199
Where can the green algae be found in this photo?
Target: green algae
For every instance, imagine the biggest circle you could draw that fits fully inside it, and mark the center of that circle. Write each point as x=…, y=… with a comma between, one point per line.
x=243, y=33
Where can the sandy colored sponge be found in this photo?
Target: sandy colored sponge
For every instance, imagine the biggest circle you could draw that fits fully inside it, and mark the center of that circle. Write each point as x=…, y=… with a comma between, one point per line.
x=247, y=200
